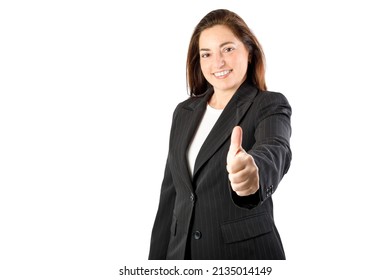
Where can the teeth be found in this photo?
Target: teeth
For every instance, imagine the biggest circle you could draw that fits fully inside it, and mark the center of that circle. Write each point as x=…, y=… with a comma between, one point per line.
x=219, y=74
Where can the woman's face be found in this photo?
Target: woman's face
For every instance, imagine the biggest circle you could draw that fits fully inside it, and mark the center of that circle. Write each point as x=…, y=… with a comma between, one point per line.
x=223, y=59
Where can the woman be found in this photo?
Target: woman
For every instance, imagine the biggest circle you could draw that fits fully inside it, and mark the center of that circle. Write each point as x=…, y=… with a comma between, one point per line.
x=229, y=149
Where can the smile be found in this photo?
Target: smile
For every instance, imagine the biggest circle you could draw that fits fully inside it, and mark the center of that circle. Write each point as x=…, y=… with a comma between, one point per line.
x=223, y=73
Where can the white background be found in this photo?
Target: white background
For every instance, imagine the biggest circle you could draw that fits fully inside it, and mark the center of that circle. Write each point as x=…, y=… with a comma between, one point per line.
x=87, y=91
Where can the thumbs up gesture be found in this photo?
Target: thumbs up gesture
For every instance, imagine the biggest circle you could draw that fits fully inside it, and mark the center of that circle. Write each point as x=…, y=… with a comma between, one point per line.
x=242, y=169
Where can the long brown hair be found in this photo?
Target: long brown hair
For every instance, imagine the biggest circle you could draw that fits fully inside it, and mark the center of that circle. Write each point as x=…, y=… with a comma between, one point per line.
x=196, y=82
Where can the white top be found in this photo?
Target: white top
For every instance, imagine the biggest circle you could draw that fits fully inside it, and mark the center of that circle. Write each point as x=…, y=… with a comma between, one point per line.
x=209, y=119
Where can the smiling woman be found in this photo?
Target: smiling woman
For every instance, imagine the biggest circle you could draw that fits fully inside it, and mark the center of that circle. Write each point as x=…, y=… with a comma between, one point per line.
x=229, y=149
x=220, y=53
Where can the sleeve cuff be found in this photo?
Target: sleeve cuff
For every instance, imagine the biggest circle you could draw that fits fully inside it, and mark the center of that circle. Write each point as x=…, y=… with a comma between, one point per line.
x=248, y=202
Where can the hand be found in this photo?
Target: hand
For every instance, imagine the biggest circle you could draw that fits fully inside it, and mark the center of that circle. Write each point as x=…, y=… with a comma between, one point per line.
x=243, y=171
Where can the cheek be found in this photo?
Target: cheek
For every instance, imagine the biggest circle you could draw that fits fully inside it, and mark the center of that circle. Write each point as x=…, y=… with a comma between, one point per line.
x=204, y=67
x=244, y=67
x=243, y=64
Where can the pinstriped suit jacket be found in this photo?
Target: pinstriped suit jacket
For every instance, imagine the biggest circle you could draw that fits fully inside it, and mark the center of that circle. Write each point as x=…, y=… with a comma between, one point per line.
x=202, y=218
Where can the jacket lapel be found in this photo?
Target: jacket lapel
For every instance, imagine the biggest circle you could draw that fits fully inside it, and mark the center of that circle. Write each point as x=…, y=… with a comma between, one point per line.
x=188, y=120
x=230, y=117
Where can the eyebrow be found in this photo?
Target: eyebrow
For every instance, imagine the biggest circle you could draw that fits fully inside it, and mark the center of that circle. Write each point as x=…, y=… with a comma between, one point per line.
x=221, y=45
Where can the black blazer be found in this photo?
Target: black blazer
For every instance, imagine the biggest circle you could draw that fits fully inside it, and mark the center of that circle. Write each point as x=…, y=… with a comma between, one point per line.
x=202, y=218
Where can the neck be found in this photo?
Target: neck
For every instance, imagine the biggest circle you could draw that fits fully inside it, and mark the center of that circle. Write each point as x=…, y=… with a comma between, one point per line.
x=219, y=100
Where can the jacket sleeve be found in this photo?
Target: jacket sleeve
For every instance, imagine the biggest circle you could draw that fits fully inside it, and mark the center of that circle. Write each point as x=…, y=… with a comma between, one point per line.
x=271, y=150
x=162, y=224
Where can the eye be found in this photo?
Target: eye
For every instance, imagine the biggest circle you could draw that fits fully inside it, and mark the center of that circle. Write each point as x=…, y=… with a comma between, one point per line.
x=228, y=49
x=204, y=55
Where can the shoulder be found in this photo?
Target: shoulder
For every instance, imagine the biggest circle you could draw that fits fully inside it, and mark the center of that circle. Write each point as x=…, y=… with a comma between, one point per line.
x=271, y=97
x=272, y=101
x=191, y=103
x=188, y=104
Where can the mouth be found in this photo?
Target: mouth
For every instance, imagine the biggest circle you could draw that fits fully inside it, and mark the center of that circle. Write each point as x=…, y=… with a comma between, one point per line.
x=222, y=73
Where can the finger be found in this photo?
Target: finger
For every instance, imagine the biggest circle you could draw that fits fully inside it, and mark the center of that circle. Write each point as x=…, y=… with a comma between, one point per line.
x=239, y=177
x=246, y=192
x=240, y=187
x=236, y=164
x=236, y=139
x=244, y=188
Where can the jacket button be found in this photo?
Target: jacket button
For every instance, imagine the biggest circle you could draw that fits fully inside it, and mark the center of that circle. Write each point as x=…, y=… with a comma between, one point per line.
x=197, y=235
x=192, y=197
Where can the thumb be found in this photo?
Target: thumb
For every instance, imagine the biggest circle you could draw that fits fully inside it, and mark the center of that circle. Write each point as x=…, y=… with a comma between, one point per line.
x=236, y=140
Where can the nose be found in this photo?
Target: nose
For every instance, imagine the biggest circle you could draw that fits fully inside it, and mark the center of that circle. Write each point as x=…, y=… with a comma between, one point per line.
x=219, y=60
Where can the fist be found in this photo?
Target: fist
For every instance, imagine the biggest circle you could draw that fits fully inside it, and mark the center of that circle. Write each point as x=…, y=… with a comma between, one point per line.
x=242, y=169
